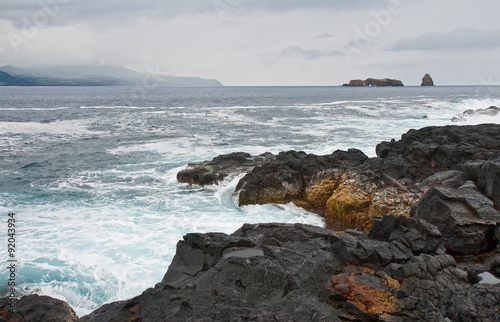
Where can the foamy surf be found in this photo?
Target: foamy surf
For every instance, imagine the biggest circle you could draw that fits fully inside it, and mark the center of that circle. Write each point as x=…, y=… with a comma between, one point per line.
x=94, y=185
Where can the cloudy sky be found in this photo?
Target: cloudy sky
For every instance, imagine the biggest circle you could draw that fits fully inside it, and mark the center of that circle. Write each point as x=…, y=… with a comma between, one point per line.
x=262, y=42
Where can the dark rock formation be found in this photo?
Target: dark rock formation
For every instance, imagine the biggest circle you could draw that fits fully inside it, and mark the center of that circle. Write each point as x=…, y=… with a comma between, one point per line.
x=465, y=217
x=427, y=80
x=287, y=272
x=284, y=178
x=490, y=111
x=349, y=189
x=37, y=308
x=486, y=175
x=220, y=168
x=375, y=82
x=421, y=153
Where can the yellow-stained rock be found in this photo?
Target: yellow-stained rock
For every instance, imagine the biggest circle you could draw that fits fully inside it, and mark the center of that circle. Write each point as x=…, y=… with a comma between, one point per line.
x=347, y=208
x=321, y=188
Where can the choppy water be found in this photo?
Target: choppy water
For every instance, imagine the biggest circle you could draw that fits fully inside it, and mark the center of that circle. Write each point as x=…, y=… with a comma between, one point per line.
x=90, y=172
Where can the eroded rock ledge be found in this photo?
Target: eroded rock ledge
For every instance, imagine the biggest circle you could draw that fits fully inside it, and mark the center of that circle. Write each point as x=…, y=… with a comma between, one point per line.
x=399, y=271
x=349, y=189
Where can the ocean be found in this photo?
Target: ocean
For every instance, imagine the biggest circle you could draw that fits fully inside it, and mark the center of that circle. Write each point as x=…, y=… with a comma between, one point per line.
x=90, y=172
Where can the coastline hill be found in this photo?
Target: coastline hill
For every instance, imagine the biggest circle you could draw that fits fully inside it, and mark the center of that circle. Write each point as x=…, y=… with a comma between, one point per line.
x=89, y=75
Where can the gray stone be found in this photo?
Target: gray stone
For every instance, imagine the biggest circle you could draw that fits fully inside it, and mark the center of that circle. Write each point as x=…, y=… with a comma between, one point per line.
x=466, y=218
x=39, y=308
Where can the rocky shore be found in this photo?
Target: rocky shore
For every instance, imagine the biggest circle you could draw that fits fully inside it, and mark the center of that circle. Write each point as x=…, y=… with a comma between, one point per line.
x=408, y=235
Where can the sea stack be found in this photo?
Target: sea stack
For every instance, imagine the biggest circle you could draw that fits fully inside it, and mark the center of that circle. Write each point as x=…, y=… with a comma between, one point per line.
x=427, y=80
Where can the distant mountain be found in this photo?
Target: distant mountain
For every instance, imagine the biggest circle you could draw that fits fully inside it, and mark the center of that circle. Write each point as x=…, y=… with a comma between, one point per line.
x=88, y=75
x=8, y=80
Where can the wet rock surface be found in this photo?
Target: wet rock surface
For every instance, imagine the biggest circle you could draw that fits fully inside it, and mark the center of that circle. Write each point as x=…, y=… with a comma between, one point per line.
x=220, y=168
x=489, y=111
x=349, y=189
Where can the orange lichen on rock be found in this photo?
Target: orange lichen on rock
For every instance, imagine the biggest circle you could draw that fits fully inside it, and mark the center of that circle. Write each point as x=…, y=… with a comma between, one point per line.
x=347, y=208
x=321, y=189
x=348, y=286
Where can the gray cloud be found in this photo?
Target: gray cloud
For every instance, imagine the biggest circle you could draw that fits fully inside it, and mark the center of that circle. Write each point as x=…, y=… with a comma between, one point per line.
x=461, y=39
x=71, y=11
x=308, y=54
x=324, y=36
x=299, y=52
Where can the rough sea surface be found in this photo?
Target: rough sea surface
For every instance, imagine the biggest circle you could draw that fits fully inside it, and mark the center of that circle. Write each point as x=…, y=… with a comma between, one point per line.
x=90, y=171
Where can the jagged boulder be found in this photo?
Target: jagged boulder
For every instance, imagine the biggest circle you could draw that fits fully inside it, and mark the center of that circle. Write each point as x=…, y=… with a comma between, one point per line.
x=465, y=217
x=285, y=178
x=220, y=168
x=361, y=195
x=424, y=152
x=490, y=111
x=427, y=80
x=37, y=308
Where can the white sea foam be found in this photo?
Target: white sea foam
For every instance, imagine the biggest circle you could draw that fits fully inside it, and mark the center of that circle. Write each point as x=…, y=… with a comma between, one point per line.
x=108, y=232
x=34, y=108
x=118, y=107
x=72, y=127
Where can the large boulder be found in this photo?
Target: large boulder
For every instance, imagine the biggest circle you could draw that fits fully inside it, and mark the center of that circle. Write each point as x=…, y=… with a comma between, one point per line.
x=285, y=178
x=334, y=186
x=37, y=308
x=489, y=111
x=361, y=195
x=465, y=217
x=221, y=167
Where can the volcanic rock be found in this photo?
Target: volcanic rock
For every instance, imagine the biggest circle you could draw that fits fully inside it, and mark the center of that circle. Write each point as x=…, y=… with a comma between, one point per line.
x=465, y=217
x=490, y=111
x=284, y=179
x=421, y=153
x=427, y=80
x=294, y=272
x=348, y=188
x=220, y=168
x=37, y=308
x=375, y=82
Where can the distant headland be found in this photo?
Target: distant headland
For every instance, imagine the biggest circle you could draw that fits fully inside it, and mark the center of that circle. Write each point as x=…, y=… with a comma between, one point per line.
x=83, y=75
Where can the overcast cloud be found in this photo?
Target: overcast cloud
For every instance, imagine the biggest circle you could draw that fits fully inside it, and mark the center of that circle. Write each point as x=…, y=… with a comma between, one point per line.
x=258, y=42
x=459, y=39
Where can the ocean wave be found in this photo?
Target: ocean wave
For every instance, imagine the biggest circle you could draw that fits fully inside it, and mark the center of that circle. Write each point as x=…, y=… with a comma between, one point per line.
x=118, y=107
x=34, y=108
x=69, y=127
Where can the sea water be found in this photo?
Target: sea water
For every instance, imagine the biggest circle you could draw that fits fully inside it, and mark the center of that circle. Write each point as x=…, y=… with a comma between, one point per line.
x=90, y=172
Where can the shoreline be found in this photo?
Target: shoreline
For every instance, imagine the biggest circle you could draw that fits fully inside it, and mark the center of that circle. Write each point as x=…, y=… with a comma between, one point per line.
x=450, y=179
